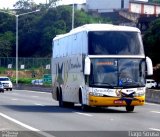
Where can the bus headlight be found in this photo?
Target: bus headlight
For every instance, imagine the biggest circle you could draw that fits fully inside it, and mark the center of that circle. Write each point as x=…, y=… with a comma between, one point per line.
x=139, y=94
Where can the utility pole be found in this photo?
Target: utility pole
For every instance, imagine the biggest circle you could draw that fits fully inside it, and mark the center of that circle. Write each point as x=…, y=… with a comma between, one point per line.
x=73, y=15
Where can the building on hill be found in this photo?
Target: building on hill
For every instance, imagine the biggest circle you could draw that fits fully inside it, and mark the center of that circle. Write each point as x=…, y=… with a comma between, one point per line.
x=146, y=8
x=102, y=6
x=142, y=13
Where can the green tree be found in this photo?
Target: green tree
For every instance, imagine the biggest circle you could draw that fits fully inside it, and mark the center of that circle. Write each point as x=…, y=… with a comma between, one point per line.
x=25, y=4
x=7, y=22
x=6, y=44
x=37, y=30
x=151, y=41
x=52, y=3
x=154, y=1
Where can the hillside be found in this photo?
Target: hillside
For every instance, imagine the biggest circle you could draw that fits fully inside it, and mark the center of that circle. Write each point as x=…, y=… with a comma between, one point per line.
x=37, y=30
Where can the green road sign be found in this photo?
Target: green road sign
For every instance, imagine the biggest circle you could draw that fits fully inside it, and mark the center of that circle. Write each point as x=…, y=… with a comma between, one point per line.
x=47, y=78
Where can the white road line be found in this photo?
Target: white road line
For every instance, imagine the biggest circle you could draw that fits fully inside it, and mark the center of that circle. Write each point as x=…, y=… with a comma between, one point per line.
x=37, y=104
x=14, y=99
x=26, y=126
x=19, y=123
x=112, y=119
x=37, y=92
x=155, y=112
x=155, y=129
x=35, y=96
x=89, y=115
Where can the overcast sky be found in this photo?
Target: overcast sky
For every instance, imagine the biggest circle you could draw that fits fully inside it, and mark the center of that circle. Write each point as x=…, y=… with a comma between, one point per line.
x=10, y=3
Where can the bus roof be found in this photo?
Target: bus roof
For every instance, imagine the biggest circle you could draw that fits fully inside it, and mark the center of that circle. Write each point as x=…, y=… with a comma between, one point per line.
x=98, y=27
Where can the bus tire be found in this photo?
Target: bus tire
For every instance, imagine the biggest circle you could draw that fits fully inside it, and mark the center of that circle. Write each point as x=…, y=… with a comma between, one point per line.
x=60, y=99
x=69, y=104
x=80, y=96
x=129, y=108
x=83, y=106
x=63, y=103
x=57, y=94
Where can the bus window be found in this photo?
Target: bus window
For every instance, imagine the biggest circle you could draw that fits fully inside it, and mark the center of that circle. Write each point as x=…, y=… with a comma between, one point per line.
x=117, y=72
x=115, y=42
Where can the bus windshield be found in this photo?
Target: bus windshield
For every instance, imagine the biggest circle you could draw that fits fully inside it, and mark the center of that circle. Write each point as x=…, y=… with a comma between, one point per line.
x=115, y=43
x=124, y=73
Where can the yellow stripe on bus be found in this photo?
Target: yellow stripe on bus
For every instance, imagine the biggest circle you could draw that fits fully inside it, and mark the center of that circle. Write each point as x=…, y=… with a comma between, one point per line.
x=114, y=101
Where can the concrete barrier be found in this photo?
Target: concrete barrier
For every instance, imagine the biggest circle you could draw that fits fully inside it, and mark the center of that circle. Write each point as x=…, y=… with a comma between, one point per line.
x=152, y=95
x=33, y=87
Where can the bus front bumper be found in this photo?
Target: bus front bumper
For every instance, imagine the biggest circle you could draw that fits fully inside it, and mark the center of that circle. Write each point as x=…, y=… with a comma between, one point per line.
x=116, y=101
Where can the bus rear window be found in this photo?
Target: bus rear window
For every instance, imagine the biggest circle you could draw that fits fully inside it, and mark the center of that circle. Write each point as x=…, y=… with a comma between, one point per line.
x=115, y=43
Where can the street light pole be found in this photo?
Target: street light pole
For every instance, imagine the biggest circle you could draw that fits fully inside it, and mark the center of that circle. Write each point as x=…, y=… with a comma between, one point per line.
x=16, y=50
x=17, y=76
x=17, y=39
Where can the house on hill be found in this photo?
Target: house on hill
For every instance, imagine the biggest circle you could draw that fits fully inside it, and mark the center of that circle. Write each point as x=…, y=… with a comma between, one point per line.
x=102, y=6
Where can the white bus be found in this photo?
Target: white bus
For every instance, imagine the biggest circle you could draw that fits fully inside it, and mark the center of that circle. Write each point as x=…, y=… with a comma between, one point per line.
x=100, y=65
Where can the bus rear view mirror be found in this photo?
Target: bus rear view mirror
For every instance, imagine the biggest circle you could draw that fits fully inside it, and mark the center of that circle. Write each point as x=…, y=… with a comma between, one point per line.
x=87, y=66
x=149, y=66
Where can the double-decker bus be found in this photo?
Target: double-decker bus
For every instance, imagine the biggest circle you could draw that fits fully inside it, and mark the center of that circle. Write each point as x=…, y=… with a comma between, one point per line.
x=100, y=65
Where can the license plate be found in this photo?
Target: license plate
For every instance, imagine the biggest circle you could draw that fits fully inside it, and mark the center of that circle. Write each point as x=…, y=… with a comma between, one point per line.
x=118, y=102
x=6, y=85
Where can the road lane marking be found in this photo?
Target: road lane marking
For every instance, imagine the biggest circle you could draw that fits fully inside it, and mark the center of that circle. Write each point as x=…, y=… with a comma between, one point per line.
x=85, y=114
x=19, y=123
x=155, y=112
x=37, y=104
x=26, y=126
x=39, y=92
x=35, y=96
x=155, y=129
x=112, y=119
x=14, y=99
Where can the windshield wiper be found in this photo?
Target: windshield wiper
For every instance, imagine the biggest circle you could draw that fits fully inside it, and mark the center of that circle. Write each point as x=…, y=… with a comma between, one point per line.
x=131, y=84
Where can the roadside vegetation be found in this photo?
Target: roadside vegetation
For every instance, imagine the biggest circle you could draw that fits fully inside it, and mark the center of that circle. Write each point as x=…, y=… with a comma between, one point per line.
x=37, y=30
x=151, y=42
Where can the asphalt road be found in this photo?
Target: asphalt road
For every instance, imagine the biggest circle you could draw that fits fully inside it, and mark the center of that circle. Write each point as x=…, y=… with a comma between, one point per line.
x=26, y=111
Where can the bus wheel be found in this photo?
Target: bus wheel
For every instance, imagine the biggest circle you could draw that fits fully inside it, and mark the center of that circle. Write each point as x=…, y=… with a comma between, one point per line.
x=85, y=107
x=69, y=104
x=61, y=103
x=129, y=108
